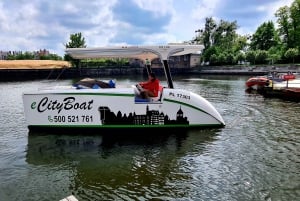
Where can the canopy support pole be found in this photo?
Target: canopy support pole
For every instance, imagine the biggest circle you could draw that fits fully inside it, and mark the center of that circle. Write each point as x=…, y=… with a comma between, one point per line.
x=149, y=70
x=168, y=74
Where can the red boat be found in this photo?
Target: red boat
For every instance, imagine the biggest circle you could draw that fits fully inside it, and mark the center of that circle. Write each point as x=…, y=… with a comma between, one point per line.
x=257, y=82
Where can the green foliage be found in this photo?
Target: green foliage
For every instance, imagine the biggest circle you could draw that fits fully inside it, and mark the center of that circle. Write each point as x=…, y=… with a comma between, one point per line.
x=222, y=45
x=230, y=59
x=50, y=57
x=291, y=53
x=21, y=56
x=250, y=56
x=274, y=54
x=11, y=57
x=221, y=41
x=288, y=19
x=240, y=57
x=225, y=35
x=213, y=59
x=240, y=44
x=210, y=25
x=76, y=41
x=221, y=58
x=295, y=23
x=261, y=57
x=265, y=37
x=284, y=28
x=101, y=62
x=210, y=51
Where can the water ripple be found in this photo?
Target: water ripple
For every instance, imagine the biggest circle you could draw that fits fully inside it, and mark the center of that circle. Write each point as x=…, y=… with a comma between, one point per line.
x=254, y=157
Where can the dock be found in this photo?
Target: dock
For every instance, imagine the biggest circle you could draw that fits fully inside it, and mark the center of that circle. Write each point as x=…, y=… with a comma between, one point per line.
x=290, y=93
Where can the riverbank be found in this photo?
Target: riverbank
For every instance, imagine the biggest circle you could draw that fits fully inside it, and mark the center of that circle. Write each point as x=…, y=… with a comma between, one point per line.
x=15, y=70
x=245, y=70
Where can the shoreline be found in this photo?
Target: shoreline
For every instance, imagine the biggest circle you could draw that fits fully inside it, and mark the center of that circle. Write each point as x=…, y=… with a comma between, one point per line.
x=17, y=70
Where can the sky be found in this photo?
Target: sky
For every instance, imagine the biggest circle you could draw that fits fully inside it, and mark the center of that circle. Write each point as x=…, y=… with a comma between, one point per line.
x=47, y=24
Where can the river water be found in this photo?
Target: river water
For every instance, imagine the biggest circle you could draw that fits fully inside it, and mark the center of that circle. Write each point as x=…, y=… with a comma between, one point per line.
x=256, y=156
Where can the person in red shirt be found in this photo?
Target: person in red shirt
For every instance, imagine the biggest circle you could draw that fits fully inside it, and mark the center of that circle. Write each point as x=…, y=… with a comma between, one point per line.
x=151, y=87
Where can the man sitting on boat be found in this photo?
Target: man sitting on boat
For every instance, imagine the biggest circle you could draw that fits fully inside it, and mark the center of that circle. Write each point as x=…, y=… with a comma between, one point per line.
x=149, y=88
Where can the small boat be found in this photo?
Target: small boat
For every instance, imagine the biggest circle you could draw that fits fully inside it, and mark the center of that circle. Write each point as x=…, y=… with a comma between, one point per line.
x=257, y=82
x=112, y=107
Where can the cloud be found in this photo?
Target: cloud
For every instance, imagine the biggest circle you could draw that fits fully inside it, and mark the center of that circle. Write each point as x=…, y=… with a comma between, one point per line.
x=139, y=20
x=43, y=24
x=190, y=16
x=249, y=14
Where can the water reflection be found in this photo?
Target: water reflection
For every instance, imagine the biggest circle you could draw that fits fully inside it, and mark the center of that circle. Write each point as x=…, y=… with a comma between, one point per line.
x=131, y=166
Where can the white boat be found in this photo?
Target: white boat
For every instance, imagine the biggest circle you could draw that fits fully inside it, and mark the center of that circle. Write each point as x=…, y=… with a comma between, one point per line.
x=63, y=108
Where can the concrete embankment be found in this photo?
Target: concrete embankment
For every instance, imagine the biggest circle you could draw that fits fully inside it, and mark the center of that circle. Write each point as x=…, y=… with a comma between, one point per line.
x=244, y=70
x=66, y=72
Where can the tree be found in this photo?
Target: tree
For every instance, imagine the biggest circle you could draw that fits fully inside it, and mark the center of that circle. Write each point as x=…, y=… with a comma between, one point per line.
x=221, y=58
x=275, y=53
x=213, y=59
x=208, y=52
x=250, y=56
x=219, y=39
x=225, y=34
x=240, y=57
x=288, y=19
x=240, y=44
x=295, y=23
x=291, y=53
x=50, y=57
x=284, y=26
x=230, y=59
x=210, y=25
x=76, y=41
x=265, y=37
x=261, y=56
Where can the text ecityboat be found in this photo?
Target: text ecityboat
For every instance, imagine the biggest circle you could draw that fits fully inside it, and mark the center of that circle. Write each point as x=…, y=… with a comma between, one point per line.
x=107, y=108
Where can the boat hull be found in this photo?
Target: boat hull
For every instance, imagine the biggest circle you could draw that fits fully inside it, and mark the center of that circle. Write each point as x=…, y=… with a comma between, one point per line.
x=108, y=109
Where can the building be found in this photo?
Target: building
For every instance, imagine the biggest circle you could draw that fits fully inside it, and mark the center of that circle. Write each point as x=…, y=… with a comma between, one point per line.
x=183, y=59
